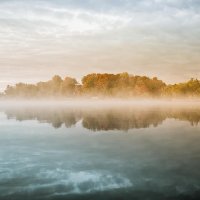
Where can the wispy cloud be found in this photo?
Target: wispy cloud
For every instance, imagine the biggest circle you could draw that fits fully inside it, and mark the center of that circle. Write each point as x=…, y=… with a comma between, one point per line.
x=158, y=37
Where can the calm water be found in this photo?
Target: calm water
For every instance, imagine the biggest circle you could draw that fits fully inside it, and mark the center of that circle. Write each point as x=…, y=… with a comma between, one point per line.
x=94, y=152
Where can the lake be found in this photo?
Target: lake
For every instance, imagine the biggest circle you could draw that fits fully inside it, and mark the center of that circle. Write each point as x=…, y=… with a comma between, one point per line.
x=100, y=151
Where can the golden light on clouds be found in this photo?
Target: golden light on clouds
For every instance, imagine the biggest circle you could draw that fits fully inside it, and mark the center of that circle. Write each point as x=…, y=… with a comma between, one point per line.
x=148, y=37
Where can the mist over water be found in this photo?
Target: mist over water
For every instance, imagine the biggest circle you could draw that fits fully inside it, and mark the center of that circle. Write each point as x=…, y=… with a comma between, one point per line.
x=103, y=115
x=100, y=150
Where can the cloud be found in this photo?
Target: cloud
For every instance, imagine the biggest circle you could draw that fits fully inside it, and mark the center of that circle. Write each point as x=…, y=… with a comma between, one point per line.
x=158, y=37
x=45, y=18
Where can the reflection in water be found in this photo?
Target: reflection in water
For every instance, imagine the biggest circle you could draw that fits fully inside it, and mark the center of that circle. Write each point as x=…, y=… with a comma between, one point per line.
x=112, y=118
x=40, y=162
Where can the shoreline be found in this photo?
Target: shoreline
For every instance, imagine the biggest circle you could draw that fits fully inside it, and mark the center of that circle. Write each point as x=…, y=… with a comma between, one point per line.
x=99, y=102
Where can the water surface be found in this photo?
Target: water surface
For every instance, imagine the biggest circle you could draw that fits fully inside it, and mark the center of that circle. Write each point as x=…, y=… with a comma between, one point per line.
x=100, y=152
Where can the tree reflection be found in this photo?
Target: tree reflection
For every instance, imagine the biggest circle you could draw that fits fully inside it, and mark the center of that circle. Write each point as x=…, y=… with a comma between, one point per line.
x=112, y=118
x=56, y=117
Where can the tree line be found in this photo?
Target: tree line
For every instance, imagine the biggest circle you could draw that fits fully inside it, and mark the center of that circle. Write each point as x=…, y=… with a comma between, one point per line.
x=104, y=85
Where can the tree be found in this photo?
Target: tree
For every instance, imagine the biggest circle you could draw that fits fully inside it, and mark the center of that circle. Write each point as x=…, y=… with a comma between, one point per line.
x=68, y=86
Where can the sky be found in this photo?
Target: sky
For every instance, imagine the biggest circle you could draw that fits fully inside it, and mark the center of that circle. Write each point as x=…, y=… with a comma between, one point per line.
x=41, y=38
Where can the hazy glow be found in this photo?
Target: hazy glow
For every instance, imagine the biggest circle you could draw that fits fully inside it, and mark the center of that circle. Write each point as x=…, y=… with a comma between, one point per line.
x=40, y=38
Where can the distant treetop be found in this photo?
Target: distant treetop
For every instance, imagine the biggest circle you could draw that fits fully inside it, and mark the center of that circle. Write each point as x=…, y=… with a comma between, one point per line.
x=122, y=85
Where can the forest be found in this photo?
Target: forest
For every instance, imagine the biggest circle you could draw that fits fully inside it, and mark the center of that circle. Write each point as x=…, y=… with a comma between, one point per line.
x=96, y=85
